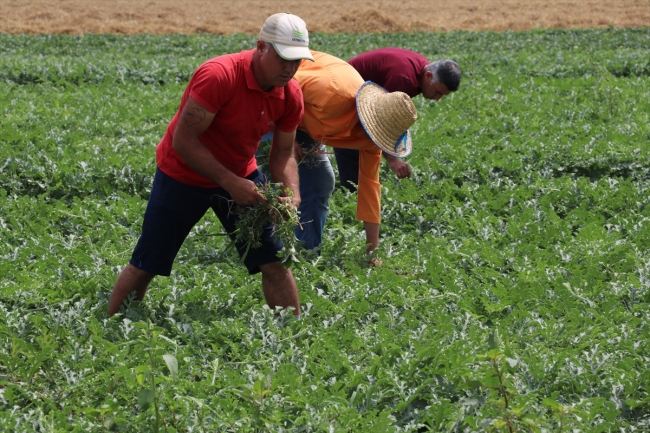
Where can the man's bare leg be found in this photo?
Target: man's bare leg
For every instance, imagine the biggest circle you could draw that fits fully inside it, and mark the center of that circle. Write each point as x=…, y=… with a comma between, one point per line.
x=130, y=279
x=279, y=287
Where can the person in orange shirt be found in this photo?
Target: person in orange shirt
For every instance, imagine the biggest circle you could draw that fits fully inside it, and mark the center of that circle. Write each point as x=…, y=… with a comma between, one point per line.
x=397, y=69
x=343, y=111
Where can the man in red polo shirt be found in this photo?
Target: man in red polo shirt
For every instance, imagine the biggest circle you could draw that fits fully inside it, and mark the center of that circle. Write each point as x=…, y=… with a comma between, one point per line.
x=397, y=69
x=207, y=158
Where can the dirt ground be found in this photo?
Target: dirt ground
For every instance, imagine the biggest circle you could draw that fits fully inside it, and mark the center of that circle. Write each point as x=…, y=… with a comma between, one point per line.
x=352, y=16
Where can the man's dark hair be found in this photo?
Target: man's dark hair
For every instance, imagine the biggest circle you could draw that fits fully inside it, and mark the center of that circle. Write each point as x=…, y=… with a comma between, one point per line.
x=446, y=72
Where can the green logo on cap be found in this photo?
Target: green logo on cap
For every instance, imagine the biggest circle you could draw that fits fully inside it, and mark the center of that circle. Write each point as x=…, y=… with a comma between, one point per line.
x=297, y=34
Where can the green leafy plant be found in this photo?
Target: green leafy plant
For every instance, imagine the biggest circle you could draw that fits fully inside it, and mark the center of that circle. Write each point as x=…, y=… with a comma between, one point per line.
x=513, y=412
x=146, y=373
x=279, y=211
x=497, y=381
x=526, y=214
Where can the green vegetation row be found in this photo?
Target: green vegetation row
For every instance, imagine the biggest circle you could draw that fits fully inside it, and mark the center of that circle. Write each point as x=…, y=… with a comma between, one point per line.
x=515, y=290
x=172, y=59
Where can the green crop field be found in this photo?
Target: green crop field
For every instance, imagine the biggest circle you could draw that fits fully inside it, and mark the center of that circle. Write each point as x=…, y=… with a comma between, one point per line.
x=515, y=291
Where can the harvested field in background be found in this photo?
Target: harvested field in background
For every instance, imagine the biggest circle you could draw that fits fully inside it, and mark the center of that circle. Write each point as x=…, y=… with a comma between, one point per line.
x=330, y=16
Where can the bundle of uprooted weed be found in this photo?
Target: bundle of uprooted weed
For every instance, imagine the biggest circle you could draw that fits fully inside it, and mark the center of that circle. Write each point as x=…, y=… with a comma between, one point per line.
x=282, y=214
x=311, y=156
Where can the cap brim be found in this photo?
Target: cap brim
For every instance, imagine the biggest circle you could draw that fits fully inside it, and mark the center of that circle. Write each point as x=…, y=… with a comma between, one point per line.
x=288, y=52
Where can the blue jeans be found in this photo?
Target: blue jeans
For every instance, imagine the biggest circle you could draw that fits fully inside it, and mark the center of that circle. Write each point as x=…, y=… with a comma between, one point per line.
x=316, y=187
x=267, y=137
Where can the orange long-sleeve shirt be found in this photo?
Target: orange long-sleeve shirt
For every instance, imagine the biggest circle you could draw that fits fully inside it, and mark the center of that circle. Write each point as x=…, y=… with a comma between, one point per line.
x=329, y=87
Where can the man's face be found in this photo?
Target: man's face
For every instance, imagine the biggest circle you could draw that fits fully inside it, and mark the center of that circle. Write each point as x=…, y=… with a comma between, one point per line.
x=276, y=71
x=435, y=90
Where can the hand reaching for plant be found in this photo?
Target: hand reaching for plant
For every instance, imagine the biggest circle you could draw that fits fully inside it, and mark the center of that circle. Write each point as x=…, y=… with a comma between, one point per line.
x=400, y=168
x=284, y=210
x=290, y=200
x=244, y=192
x=277, y=208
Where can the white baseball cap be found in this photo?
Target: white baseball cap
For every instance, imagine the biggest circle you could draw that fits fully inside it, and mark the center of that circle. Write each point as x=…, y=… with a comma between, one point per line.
x=288, y=35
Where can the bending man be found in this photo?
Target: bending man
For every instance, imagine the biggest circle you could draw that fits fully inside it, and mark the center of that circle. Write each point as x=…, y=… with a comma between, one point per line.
x=397, y=69
x=344, y=112
x=206, y=158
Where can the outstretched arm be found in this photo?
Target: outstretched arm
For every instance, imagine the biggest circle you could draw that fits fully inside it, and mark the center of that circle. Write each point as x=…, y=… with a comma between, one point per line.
x=372, y=235
x=372, y=240
x=398, y=166
x=194, y=120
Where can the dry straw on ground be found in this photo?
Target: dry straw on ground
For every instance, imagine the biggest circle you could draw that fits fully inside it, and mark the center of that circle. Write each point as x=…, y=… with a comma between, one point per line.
x=246, y=16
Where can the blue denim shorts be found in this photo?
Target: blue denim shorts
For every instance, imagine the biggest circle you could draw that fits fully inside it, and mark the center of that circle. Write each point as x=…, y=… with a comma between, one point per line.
x=174, y=208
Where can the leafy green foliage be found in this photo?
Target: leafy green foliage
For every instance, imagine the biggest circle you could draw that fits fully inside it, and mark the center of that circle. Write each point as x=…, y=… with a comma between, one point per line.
x=277, y=211
x=515, y=289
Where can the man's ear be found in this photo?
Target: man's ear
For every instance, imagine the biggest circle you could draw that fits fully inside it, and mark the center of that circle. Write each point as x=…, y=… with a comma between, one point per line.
x=261, y=46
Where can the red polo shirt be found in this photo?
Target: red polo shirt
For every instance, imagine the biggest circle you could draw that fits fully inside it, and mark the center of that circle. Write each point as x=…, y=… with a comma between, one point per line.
x=394, y=69
x=225, y=85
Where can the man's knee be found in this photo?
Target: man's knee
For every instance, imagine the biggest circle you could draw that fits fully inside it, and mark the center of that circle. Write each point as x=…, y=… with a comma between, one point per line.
x=273, y=269
x=138, y=274
x=275, y=273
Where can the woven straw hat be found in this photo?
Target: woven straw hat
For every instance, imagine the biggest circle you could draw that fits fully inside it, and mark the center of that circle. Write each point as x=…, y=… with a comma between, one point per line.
x=386, y=117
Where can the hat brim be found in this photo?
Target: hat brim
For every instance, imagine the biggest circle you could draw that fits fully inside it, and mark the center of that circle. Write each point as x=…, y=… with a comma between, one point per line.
x=404, y=144
x=289, y=52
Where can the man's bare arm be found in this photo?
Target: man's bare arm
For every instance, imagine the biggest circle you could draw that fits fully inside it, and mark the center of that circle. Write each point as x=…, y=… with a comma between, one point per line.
x=194, y=120
x=372, y=235
x=282, y=162
x=399, y=167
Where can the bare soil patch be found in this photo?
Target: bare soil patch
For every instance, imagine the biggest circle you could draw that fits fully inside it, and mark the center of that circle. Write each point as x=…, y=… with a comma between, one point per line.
x=330, y=16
